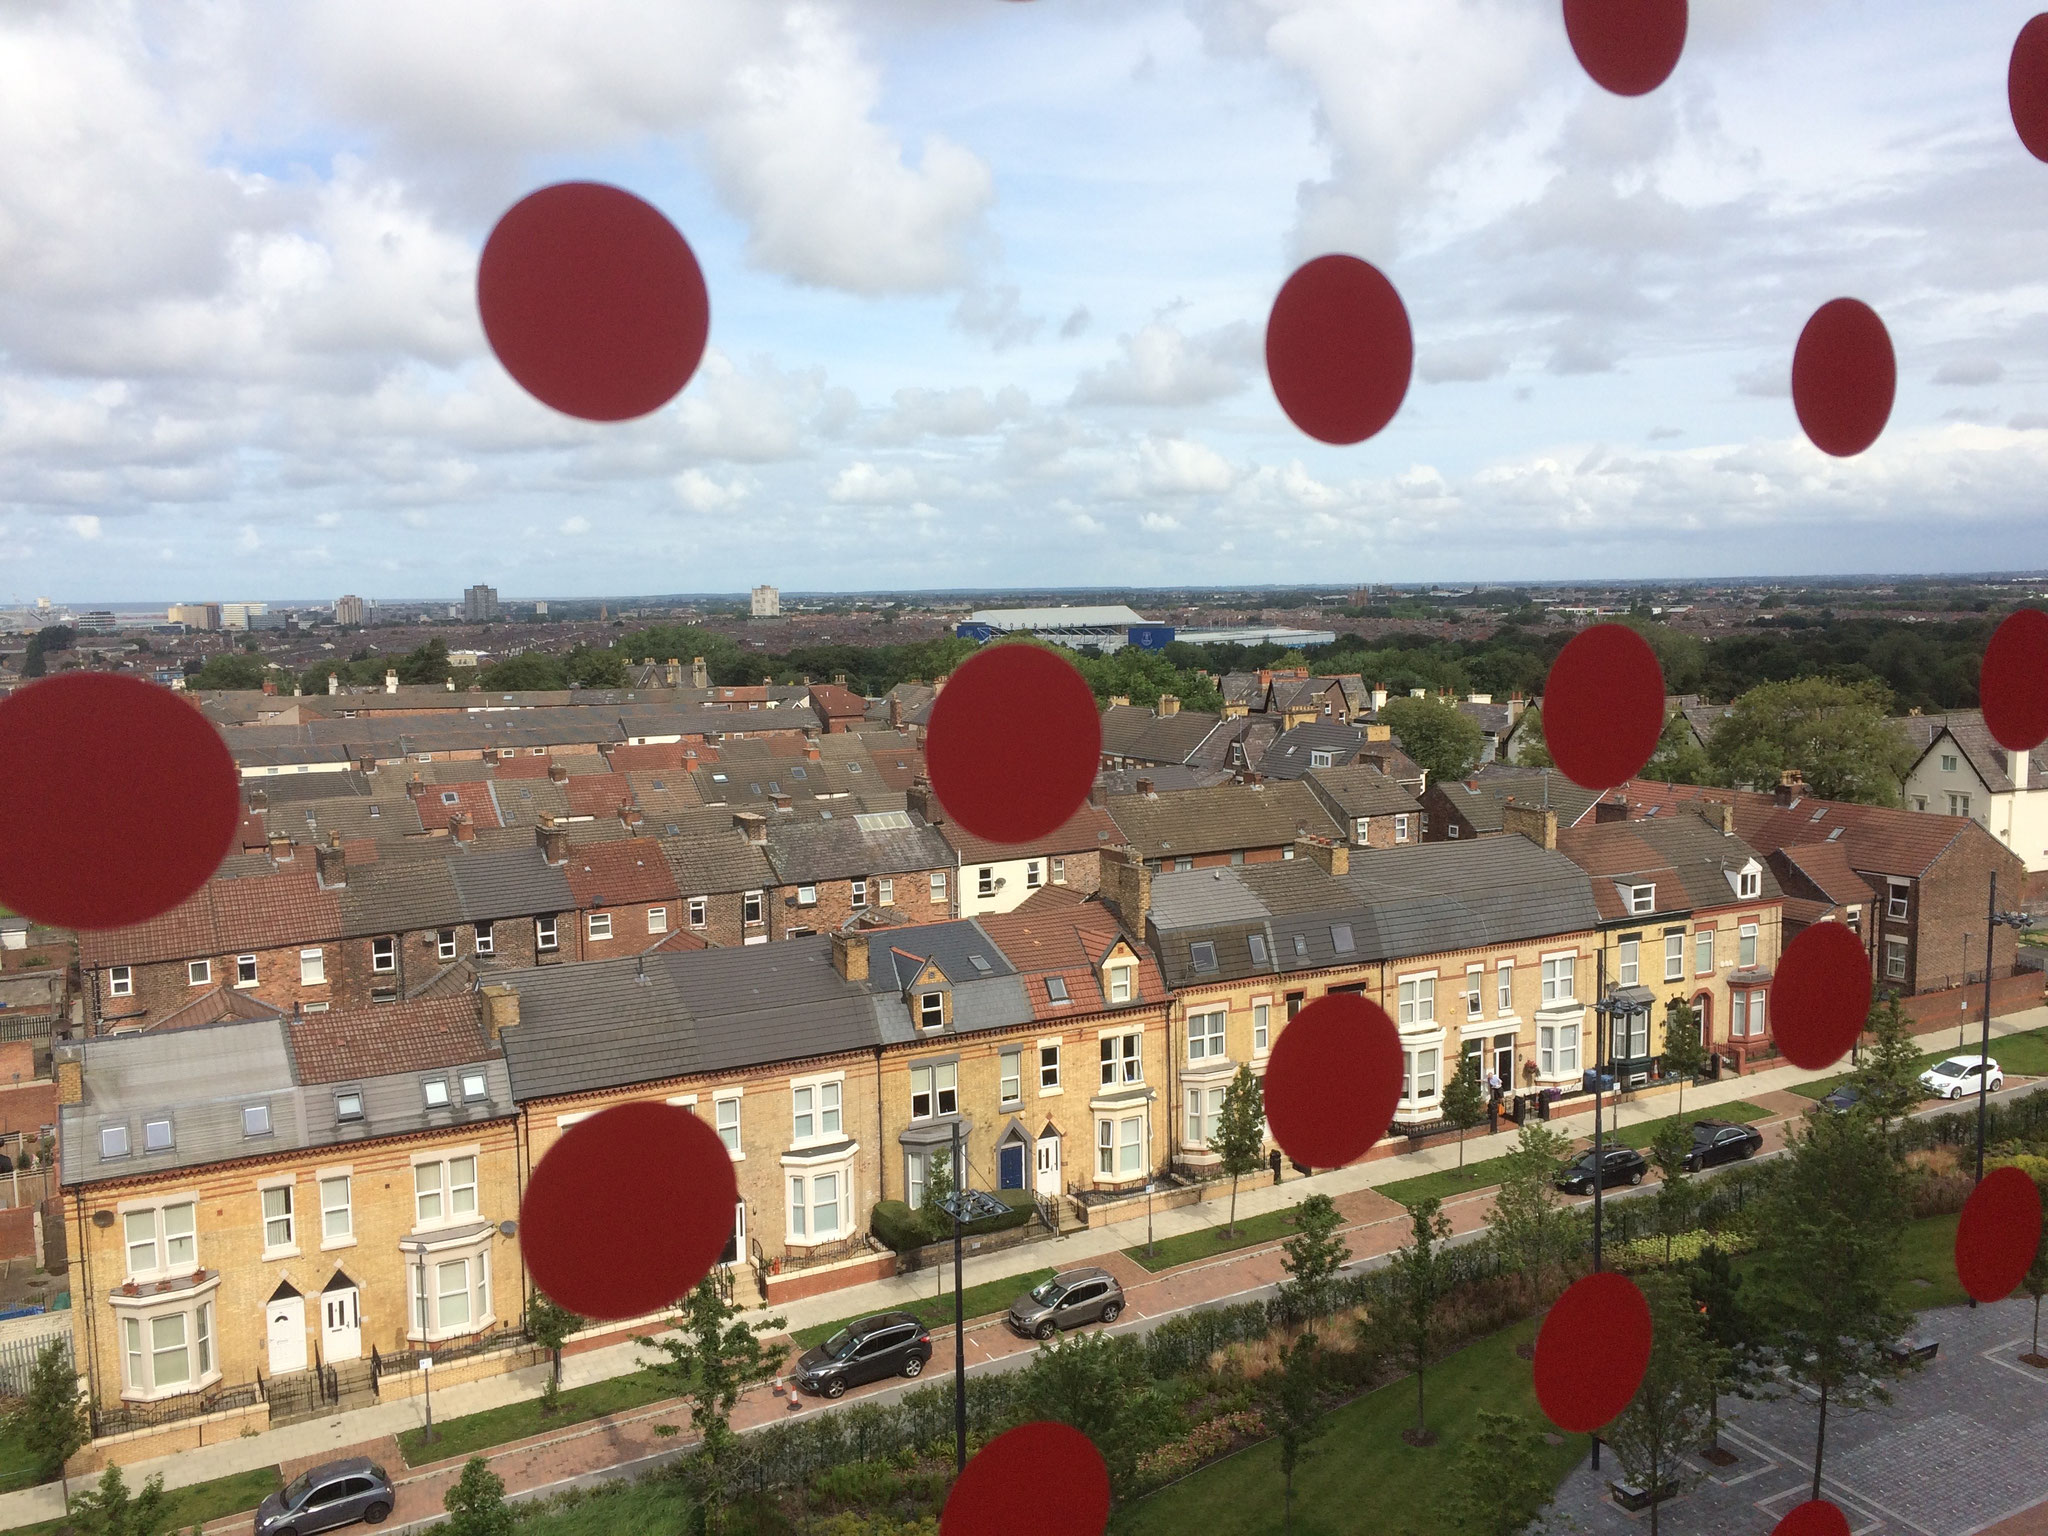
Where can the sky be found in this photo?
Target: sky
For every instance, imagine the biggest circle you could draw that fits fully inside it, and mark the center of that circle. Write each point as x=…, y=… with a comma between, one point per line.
x=989, y=282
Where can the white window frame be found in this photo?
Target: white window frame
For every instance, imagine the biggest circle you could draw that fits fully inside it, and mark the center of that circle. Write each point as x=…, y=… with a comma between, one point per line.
x=1475, y=991
x=173, y=1238
x=280, y=1206
x=753, y=909
x=933, y=1081
x=245, y=963
x=1421, y=1073
x=547, y=935
x=985, y=882
x=1557, y=1049
x=1415, y=997
x=1048, y=1067
x=1401, y=826
x=1628, y=962
x=1504, y=987
x=1119, y=979
x=931, y=1010
x=1674, y=957
x=1750, y=884
x=426, y=1279
x=938, y=885
x=142, y=1344
x=383, y=955
x=198, y=973
x=657, y=919
x=449, y=1209
x=1703, y=951
x=312, y=967
x=1059, y=871
x=1208, y=1034
x=1898, y=896
x=857, y=895
x=1010, y=1075
x=332, y=1180
x=1642, y=899
x=1204, y=1108
x=885, y=891
x=485, y=942
x=803, y=1206
x=700, y=911
x=1262, y=1025
x=1032, y=874
x=1895, y=959
x=725, y=1119
x=1122, y=1064
x=120, y=981
x=1560, y=978
x=446, y=943
x=1745, y=946
x=599, y=926
x=821, y=1101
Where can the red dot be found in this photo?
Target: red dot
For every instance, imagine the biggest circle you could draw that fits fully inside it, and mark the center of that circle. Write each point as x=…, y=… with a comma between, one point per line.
x=1843, y=377
x=1821, y=995
x=1014, y=743
x=2012, y=685
x=1339, y=350
x=628, y=1210
x=1629, y=47
x=1603, y=706
x=592, y=301
x=1816, y=1517
x=1040, y=1479
x=93, y=832
x=1592, y=1351
x=1999, y=1234
x=1333, y=1080
x=2026, y=86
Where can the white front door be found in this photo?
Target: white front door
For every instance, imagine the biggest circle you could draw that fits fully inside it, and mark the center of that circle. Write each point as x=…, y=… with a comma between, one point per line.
x=1049, y=1165
x=341, y=1325
x=287, y=1335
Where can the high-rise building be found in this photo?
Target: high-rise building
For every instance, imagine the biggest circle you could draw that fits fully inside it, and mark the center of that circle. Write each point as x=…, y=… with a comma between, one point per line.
x=238, y=615
x=348, y=609
x=195, y=615
x=767, y=603
x=540, y=609
x=479, y=603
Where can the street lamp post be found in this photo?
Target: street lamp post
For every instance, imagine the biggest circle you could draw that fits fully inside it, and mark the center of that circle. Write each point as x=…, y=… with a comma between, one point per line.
x=959, y=1318
x=1994, y=920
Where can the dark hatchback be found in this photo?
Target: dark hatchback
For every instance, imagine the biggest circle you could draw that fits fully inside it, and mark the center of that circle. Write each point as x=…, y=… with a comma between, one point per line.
x=888, y=1344
x=1842, y=1099
x=1720, y=1141
x=1618, y=1165
x=335, y=1493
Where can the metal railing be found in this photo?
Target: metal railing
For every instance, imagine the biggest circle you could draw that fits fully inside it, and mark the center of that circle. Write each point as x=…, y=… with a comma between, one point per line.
x=18, y=1360
x=125, y=1418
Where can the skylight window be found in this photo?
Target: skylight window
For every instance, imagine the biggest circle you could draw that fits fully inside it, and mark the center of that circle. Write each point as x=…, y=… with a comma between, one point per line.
x=450, y=797
x=980, y=963
x=1258, y=944
x=1202, y=956
x=348, y=1105
x=113, y=1141
x=156, y=1135
x=256, y=1120
x=1056, y=989
x=1301, y=945
x=1340, y=938
x=436, y=1089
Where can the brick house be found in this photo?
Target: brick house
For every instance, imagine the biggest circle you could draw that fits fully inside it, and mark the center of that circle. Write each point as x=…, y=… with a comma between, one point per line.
x=1472, y=806
x=1000, y=877
x=1223, y=824
x=886, y=864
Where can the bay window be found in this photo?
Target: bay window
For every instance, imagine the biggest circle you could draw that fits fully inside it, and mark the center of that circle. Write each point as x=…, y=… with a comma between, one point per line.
x=1419, y=1073
x=1205, y=1109
x=1557, y=1049
x=814, y=1207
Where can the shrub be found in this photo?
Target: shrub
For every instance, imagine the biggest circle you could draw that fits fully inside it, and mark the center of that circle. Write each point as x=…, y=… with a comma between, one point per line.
x=1645, y=1253
x=1205, y=1442
x=899, y=1227
x=1936, y=1183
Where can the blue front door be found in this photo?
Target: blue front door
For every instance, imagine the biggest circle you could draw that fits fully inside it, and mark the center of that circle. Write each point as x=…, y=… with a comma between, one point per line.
x=1011, y=1160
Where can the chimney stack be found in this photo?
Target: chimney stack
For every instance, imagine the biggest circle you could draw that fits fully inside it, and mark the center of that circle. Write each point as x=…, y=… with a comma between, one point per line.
x=451, y=684
x=1374, y=731
x=391, y=680
x=501, y=1008
x=920, y=799
x=753, y=824
x=259, y=799
x=839, y=678
x=630, y=817
x=1127, y=888
x=1120, y=701
x=270, y=686
x=1168, y=705
x=1791, y=785
x=1379, y=697
x=1538, y=824
x=334, y=682
x=461, y=828
x=366, y=763
x=553, y=841
x=700, y=675
x=415, y=787
x=71, y=1081
x=1333, y=856
x=781, y=800
x=280, y=848
x=673, y=676
x=1147, y=787
x=1605, y=810
x=1718, y=814
x=331, y=862
x=850, y=955
x=558, y=773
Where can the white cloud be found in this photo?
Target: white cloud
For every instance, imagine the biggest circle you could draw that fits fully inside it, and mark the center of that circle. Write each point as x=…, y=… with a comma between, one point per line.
x=861, y=481
x=963, y=412
x=1172, y=466
x=575, y=525
x=700, y=493
x=1161, y=366
x=1970, y=370
x=86, y=527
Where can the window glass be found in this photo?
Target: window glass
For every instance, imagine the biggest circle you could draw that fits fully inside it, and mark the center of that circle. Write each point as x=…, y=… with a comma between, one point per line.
x=1674, y=956
x=256, y=1120
x=1011, y=1081
x=169, y=1364
x=139, y=1227
x=180, y=1244
x=1205, y=1035
x=1504, y=989
x=462, y=1186
x=1262, y=1013
x=336, y=1218
x=452, y=1280
x=1703, y=951
x=426, y=1184
x=728, y=1112
x=1048, y=1066
x=1628, y=954
x=277, y=1217
x=156, y=1135
x=1745, y=948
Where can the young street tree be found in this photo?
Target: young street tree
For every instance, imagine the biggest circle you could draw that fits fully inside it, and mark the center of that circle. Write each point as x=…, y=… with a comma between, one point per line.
x=48, y=1421
x=1464, y=1102
x=1673, y=1406
x=1888, y=1079
x=709, y=1358
x=1240, y=1139
x=109, y=1510
x=1676, y=1197
x=476, y=1503
x=1685, y=1054
x=1098, y=1384
x=2035, y=1281
x=1739, y=1359
x=1419, y=1282
x=1436, y=735
x=1501, y=1480
x=1536, y=1231
x=1294, y=1410
x=1312, y=1258
x=549, y=1326
x=1825, y=1279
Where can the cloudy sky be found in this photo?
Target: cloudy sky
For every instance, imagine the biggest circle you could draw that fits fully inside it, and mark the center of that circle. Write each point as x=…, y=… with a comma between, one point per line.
x=989, y=284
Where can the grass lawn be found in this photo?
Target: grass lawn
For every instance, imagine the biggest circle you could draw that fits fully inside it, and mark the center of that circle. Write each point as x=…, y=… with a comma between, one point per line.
x=1361, y=1475
x=1741, y=1111
x=937, y=1312
x=2020, y=1055
x=1207, y=1242
x=516, y=1421
x=1927, y=1253
x=1482, y=1174
x=187, y=1507
x=648, y=1504
x=17, y=1467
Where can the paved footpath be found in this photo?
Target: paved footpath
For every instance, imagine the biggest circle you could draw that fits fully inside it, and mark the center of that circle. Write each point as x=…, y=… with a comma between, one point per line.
x=626, y=1443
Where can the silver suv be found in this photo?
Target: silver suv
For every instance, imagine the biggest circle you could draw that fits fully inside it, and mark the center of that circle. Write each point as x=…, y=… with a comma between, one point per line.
x=336, y=1493
x=1067, y=1301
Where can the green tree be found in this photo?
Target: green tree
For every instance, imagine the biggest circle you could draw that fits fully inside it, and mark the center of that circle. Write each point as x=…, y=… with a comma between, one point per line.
x=1530, y=748
x=230, y=669
x=1836, y=734
x=1437, y=735
x=1464, y=1101
x=1685, y=1053
x=425, y=667
x=938, y=1188
x=1532, y=1224
x=476, y=1503
x=1679, y=758
x=1097, y=1383
x=1887, y=1079
x=1502, y=1476
x=1670, y=1410
x=710, y=1355
x=1294, y=1412
x=1240, y=1139
x=1740, y=1358
x=549, y=1326
x=1676, y=1197
x=109, y=1510
x=1419, y=1281
x=1836, y=1214
x=49, y=1421
x=528, y=672
x=2035, y=1281
x=1311, y=1259
x=588, y=668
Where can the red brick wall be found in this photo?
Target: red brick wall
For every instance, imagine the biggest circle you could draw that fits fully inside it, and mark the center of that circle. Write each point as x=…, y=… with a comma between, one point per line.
x=1950, y=901
x=912, y=897
x=27, y=1106
x=18, y=1233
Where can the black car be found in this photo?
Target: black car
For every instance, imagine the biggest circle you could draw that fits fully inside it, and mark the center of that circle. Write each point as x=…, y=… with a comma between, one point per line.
x=1618, y=1165
x=887, y=1344
x=1845, y=1098
x=1719, y=1141
x=335, y=1493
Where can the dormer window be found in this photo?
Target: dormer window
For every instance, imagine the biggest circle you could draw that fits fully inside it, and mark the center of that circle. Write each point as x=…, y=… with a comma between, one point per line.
x=1752, y=883
x=931, y=1010
x=1118, y=979
x=1643, y=898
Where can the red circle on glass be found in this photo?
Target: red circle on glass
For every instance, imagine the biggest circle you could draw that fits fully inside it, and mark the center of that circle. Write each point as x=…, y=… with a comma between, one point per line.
x=1816, y=1517
x=1338, y=349
x=1999, y=1234
x=1333, y=1080
x=1629, y=47
x=2012, y=684
x=1040, y=1479
x=628, y=1210
x=95, y=833
x=1014, y=743
x=1592, y=1351
x=1844, y=377
x=593, y=301
x=1603, y=706
x=2026, y=86
x=1821, y=996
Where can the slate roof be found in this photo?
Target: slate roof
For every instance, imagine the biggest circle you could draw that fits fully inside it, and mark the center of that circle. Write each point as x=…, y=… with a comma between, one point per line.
x=1089, y=829
x=803, y=853
x=1359, y=789
x=710, y=857
x=1292, y=753
x=515, y=882
x=1974, y=741
x=1187, y=736
x=1689, y=863
x=1170, y=824
x=1479, y=798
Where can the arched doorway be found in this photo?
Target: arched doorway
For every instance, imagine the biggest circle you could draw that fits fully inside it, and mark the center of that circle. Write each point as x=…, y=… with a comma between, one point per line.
x=1703, y=1006
x=341, y=1320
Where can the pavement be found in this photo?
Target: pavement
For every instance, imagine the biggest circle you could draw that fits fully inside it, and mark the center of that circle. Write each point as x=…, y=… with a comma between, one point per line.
x=625, y=1444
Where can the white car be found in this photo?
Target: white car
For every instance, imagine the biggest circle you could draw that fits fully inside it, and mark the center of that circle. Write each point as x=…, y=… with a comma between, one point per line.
x=1958, y=1075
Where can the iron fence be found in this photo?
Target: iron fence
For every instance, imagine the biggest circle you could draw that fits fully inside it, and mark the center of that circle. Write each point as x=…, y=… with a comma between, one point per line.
x=125, y=1418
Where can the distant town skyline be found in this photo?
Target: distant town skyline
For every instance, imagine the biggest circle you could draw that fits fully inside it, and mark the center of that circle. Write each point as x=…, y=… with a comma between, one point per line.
x=989, y=285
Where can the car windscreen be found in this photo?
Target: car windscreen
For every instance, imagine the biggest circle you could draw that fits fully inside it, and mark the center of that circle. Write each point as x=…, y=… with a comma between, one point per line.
x=1952, y=1068
x=298, y=1488
x=840, y=1345
x=1048, y=1294
x=1702, y=1134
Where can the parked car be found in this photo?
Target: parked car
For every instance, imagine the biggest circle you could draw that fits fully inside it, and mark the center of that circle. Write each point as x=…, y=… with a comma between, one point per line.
x=1845, y=1098
x=333, y=1493
x=1720, y=1141
x=1958, y=1075
x=887, y=1344
x=1618, y=1165
x=1067, y=1301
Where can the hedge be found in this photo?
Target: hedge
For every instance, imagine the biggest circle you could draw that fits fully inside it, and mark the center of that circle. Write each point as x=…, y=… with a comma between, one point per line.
x=791, y=1453
x=899, y=1227
x=2023, y=1119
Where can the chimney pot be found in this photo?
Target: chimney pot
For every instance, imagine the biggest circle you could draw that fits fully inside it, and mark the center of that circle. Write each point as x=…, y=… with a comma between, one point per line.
x=753, y=824
x=558, y=772
x=461, y=828
x=553, y=842
x=330, y=863
x=925, y=803
x=1333, y=856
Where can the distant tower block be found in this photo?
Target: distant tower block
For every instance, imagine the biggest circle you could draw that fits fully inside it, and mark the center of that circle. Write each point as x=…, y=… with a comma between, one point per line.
x=767, y=603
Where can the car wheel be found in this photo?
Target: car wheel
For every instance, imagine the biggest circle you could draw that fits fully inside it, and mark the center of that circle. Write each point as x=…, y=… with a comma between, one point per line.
x=1112, y=1312
x=1636, y=1177
x=1955, y=1093
x=1044, y=1330
x=914, y=1366
x=376, y=1513
x=286, y=1530
x=835, y=1388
